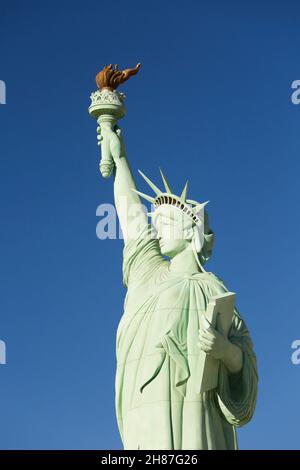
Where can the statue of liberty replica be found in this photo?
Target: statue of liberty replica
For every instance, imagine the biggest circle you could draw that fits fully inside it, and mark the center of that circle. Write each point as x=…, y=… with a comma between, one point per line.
x=186, y=372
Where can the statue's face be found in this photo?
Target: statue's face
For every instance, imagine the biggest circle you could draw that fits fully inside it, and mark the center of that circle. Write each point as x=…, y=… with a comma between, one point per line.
x=171, y=237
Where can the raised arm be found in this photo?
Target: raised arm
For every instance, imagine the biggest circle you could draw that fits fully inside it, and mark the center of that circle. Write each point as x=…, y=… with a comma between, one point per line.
x=130, y=209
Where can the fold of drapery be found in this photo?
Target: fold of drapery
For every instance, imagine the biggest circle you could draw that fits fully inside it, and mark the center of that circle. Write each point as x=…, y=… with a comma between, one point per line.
x=152, y=364
x=237, y=393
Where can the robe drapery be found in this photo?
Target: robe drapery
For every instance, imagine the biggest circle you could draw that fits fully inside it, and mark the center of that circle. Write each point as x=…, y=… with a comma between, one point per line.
x=158, y=403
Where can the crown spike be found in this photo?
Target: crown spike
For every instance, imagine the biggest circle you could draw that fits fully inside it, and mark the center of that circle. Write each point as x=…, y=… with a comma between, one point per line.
x=144, y=196
x=199, y=207
x=152, y=185
x=184, y=192
x=192, y=201
x=166, y=184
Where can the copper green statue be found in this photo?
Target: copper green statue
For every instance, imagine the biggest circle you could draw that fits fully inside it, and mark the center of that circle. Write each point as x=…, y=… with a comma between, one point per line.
x=186, y=371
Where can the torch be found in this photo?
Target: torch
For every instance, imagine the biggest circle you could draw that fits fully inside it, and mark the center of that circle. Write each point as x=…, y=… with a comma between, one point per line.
x=107, y=107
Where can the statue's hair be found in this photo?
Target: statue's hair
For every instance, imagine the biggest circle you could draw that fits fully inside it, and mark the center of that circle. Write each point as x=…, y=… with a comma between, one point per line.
x=209, y=238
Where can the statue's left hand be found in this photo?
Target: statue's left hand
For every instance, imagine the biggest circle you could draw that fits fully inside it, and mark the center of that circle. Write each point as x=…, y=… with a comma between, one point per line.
x=211, y=341
x=217, y=345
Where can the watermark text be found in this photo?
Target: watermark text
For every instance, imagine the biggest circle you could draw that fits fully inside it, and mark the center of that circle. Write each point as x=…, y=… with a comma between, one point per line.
x=295, y=96
x=2, y=352
x=2, y=92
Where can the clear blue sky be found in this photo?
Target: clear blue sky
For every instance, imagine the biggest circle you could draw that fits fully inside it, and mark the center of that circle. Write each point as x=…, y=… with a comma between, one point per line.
x=211, y=103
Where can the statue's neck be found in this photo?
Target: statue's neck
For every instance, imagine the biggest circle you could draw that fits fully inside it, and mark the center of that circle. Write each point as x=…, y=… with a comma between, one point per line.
x=184, y=263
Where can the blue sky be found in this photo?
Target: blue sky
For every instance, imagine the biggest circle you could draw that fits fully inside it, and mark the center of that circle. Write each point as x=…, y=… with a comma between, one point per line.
x=211, y=103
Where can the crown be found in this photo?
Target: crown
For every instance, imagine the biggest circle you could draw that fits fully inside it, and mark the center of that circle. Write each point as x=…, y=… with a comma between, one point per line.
x=191, y=208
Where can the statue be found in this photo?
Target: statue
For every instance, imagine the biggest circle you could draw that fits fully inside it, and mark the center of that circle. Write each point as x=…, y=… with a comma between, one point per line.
x=183, y=379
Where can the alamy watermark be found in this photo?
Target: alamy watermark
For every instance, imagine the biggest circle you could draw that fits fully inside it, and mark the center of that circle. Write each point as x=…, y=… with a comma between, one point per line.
x=108, y=227
x=295, y=357
x=2, y=92
x=295, y=96
x=168, y=223
x=2, y=352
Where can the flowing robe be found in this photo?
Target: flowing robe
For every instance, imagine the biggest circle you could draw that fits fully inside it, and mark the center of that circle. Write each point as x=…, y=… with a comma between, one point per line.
x=158, y=403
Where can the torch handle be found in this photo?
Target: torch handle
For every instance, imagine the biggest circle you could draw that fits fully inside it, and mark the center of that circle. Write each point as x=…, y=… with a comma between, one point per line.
x=110, y=144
